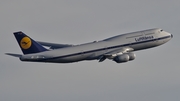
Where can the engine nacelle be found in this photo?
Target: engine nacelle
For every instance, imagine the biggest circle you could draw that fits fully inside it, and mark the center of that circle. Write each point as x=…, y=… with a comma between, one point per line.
x=132, y=56
x=122, y=58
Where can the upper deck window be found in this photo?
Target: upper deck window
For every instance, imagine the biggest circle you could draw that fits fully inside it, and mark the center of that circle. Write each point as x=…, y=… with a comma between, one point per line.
x=161, y=30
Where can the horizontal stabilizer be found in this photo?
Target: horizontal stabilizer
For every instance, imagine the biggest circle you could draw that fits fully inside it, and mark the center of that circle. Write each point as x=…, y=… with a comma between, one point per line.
x=14, y=55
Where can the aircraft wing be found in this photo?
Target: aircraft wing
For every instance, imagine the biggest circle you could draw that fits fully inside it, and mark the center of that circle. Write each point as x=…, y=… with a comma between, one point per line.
x=54, y=45
x=112, y=54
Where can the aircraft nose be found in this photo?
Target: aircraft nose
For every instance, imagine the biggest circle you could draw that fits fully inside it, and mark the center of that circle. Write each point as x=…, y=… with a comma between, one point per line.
x=171, y=36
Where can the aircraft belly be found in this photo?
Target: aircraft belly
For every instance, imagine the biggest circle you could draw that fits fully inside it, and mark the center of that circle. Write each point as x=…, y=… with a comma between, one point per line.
x=94, y=55
x=70, y=59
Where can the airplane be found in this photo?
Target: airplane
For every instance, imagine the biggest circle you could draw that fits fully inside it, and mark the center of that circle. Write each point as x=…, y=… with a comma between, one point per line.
x=119, y=48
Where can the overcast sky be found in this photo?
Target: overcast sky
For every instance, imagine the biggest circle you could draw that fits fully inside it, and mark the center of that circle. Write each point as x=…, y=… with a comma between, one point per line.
x=153, y=76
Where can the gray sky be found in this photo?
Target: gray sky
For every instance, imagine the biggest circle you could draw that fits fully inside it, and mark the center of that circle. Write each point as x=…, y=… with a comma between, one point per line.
x=153, y=76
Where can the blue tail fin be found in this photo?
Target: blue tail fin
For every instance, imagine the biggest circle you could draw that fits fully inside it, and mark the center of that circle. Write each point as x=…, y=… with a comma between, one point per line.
x=27, y=44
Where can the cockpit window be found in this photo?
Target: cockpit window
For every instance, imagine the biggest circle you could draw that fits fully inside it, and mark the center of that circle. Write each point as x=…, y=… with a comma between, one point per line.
x=161, y=30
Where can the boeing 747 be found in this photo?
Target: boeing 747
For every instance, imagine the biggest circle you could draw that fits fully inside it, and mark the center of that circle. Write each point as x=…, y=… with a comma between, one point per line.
x=119, y=48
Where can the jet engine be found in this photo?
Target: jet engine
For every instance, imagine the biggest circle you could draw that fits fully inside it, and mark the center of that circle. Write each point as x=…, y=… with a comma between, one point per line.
x=132, y=56
x=124, y=57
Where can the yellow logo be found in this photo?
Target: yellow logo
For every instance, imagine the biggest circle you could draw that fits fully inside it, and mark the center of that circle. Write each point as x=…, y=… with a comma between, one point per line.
x=25, y=43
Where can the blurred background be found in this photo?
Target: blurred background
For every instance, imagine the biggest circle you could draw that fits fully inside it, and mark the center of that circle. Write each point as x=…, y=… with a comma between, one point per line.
x=153, y=75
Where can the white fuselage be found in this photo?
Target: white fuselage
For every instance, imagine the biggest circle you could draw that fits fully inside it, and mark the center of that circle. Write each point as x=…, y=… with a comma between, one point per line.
x=90, y=51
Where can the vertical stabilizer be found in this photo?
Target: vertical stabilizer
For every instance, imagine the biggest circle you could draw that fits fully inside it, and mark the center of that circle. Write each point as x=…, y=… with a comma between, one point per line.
x=27, y=44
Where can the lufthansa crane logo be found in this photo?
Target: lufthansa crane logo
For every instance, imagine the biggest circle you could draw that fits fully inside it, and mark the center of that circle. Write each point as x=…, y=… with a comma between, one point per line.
x=25, y=43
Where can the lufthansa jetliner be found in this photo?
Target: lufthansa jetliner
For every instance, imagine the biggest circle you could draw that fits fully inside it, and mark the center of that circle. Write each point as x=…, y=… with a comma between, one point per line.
x=119, y=48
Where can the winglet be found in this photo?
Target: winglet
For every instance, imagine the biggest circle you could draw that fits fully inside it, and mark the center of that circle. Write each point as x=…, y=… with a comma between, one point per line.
x=27, y=44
